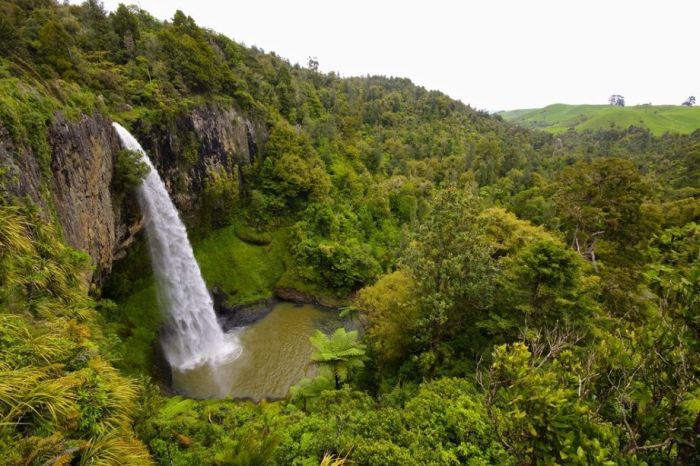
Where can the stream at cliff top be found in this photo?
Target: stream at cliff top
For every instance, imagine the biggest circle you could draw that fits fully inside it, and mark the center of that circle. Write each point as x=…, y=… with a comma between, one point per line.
x=275, y=355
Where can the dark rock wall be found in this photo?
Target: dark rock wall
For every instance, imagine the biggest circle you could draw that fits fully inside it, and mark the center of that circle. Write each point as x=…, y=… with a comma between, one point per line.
x=82, y=155
x=222, y=138
x=80, y=190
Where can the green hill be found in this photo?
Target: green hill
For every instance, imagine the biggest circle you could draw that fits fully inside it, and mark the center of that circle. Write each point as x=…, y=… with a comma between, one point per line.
x=557, y=118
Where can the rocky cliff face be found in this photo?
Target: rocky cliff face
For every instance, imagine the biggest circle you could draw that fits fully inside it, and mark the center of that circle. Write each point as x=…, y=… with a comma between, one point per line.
x=78, y=186
x=82, y=155
x=209, y=139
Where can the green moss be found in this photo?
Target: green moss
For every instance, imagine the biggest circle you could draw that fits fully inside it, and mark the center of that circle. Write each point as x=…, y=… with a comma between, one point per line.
x=132, y=114
x=190, y=148
x=248, y=272
x=27, y=108
x=136, y=323
x=291, y=280
x=251, y=235
x=26, y=113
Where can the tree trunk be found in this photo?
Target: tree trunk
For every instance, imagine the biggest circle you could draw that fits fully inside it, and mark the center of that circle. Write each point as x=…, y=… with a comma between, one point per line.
x=688, y=446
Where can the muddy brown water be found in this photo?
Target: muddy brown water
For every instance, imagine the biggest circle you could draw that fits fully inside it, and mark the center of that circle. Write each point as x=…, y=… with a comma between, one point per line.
x=276, y=355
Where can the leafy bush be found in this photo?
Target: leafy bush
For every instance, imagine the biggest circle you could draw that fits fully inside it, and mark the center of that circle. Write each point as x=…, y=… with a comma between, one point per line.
x=129, y=172
x=58, y=397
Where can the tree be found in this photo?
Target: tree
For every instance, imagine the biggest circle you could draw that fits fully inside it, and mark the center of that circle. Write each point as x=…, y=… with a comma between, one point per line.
x=313, y=63
x=390, y=310
x=340, y=353
x=616, y=100
x=536, y=413
x=54, y=46
x=308, y=388
x=292, y=170
x=601, y=199
x=124, y=22
x=689, y=102
x=488, y=160
x=8, y=36
x=542, y=287
x=126, y=26
x=600, y=205
x=451, y=263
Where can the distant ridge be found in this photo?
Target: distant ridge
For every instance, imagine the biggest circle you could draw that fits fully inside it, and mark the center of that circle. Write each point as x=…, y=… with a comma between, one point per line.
x=558, y=118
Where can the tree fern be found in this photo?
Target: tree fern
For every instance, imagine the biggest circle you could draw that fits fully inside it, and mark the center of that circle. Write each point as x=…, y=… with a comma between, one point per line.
x=340, y=352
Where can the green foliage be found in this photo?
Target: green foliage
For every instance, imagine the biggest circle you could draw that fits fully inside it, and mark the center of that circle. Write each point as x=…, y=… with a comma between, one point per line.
x=343, y=266
x=542, y=287
x=25, y=115
x=125, y=23
x=444, y=423
x=538, y=416
x=219, y=199
x=602, y=198
x=292, y=170
x=129, y=171
x=9, y=37
x=53, y=46
x=461, y=232
x=674, y=273
x=341, y=352
x=601, y=207
x=58, y=397
x=454, y=274
x=390, y=312
x=309, y=388
x=329, y=250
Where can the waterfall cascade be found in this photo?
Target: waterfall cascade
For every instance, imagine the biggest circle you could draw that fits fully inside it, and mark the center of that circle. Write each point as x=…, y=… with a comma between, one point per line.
x=192, y=334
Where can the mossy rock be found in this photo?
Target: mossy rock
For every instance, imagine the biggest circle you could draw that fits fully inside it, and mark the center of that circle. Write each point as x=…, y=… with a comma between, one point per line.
x=250, y=235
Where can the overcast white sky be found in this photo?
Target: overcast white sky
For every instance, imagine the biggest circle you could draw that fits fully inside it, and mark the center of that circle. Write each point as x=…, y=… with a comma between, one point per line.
x=494, y=55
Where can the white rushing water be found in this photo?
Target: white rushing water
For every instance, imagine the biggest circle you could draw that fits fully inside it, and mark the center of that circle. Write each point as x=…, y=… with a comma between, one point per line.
x=192, y=334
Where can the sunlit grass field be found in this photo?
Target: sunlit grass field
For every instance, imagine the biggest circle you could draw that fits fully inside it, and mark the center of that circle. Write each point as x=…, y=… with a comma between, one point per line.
x=658, y=119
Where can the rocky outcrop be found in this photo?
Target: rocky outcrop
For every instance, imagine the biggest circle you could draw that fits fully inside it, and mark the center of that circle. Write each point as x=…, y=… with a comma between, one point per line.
x=19, y=170
x=189, y=149
x=82, y=155
x=301, y=297
x=73, y=182
x=77, y=184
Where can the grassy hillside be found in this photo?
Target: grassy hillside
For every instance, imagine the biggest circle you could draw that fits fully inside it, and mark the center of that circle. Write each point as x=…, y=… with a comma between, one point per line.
x=562, y=117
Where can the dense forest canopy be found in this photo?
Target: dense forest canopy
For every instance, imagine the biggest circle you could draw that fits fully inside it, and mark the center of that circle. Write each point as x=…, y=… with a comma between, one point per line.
x=525, y=298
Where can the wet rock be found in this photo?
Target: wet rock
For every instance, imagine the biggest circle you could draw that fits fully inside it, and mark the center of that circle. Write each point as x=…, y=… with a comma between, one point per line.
x=296, y=296
x=243, y=315
x=75, y=184
x=79, y=186
x=21, y=175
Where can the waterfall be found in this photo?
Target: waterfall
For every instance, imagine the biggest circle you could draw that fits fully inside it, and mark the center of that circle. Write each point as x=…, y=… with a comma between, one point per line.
x=192, y=334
